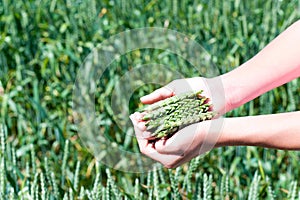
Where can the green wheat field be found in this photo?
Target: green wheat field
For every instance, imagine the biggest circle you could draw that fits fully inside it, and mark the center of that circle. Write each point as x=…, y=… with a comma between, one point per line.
x=44, y=43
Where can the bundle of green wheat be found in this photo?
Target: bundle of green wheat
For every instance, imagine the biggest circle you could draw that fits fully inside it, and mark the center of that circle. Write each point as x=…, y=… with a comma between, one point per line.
x=166, y=117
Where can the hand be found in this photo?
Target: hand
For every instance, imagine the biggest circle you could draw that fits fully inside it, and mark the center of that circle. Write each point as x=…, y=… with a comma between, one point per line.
x=186, y=144
x=212, y=89
x=190, y=141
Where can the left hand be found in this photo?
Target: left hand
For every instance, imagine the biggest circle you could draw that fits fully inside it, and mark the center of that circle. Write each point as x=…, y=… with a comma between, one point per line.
x=184, y=145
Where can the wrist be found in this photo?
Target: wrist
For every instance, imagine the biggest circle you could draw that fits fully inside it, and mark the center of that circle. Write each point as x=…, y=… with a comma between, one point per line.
x=226, y=137
x=227, y=91
x=232, y=92
x=236, y=131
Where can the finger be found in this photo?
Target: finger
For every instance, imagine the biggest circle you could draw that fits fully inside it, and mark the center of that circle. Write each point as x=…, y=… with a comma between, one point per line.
x=137, y=130
x=148, y=135
x=157, y=95
x=146, y=148
x=180, y=143
x=145, y=134
x=141, y=125
x=169, y=161
x=133, y=119
x=139, y=116
x=136, y=118
x=177, y=159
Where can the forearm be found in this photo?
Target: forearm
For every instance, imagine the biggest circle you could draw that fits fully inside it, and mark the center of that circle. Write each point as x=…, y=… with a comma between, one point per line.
x=277, y=64
x=280, y=131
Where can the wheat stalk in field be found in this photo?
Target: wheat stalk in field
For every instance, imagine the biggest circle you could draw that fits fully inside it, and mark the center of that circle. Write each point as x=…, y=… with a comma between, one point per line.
x=166, y=117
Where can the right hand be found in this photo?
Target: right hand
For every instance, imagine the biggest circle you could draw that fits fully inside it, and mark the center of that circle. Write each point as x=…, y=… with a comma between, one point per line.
x=212, y=89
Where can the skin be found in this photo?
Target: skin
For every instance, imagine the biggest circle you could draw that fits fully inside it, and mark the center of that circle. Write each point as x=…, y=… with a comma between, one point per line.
x=275, y=65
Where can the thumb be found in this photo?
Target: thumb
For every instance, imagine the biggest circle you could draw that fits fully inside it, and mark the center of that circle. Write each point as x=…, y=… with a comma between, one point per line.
x=157, y=95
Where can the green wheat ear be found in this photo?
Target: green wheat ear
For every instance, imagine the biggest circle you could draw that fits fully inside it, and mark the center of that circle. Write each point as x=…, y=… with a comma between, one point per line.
x=166, y=117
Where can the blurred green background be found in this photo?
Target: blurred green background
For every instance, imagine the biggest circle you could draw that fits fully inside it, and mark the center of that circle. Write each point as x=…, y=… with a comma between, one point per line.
x=42, y=46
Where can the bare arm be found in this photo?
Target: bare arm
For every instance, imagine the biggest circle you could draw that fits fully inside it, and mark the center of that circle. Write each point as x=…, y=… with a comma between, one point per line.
x=280, y=131
x=275, y=65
